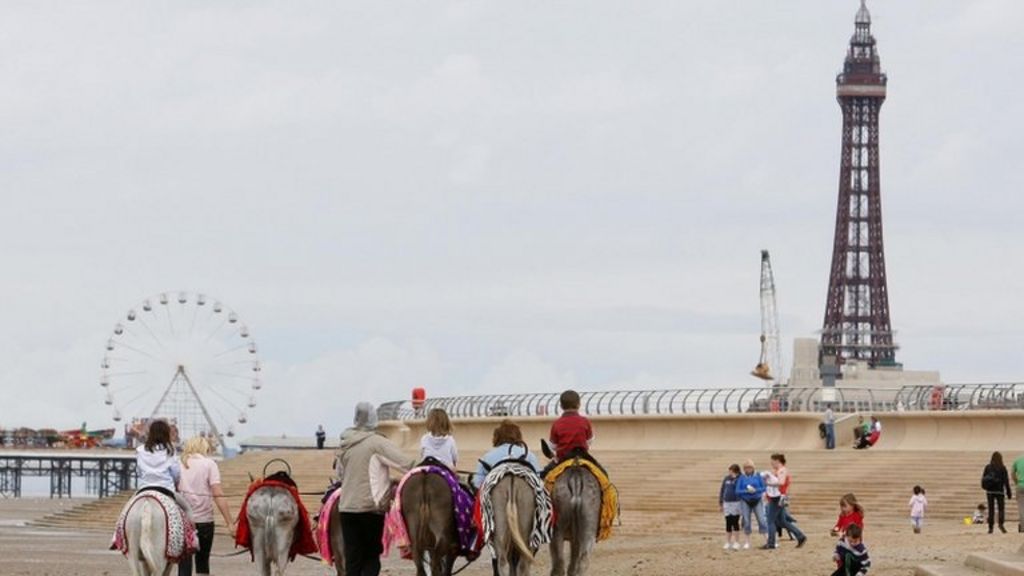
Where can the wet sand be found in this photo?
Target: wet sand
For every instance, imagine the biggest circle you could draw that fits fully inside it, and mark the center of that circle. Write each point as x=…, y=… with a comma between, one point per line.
x=26, y=550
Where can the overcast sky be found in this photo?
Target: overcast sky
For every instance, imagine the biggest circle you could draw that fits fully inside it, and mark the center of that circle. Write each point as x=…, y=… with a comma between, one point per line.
x=492, y=196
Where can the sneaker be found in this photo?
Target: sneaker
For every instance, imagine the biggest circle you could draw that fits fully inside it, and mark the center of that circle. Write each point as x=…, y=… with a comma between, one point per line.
x=801, y=542
x=746, y=546
x=735, y=545
x=1002, y=529
x=767, y=547
x=727, y=546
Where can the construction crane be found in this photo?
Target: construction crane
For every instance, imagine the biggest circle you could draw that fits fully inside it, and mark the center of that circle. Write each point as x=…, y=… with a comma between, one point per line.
x=769, y=367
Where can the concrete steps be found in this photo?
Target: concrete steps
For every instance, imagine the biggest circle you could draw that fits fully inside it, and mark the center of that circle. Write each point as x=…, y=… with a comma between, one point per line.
x=990, y=564
x=653, y=485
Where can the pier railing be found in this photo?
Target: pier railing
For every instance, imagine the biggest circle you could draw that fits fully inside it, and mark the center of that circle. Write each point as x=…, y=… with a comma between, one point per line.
x=724, y=401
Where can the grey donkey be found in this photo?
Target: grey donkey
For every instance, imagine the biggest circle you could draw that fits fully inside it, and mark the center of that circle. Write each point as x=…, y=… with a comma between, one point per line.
x=513, y=505
x=272, y=514
x=576, y=498
x=430, y=520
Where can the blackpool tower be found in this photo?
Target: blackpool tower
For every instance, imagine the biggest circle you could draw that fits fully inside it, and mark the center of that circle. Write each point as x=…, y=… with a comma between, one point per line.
x=857, y=323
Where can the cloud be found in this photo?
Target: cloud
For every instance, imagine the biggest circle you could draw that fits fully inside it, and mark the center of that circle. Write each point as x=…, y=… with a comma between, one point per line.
x=526, y=371
x=481, y=196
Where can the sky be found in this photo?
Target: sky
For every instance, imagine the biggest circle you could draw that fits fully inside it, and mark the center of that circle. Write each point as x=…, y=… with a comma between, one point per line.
x=486, y=197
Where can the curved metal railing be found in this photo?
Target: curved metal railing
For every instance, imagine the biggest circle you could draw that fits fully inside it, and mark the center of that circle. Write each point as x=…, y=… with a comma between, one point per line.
x=724, y=401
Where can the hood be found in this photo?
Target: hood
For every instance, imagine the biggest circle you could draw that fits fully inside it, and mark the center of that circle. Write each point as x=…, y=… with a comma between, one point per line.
x=435, y=442
x=353, y=436
x=155, y=459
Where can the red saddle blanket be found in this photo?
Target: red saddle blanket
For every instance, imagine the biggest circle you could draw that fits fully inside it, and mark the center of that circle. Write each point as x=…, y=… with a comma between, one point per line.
x=302, y=542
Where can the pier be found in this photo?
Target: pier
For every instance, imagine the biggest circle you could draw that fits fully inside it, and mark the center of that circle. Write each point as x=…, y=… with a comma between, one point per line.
x=111, y=472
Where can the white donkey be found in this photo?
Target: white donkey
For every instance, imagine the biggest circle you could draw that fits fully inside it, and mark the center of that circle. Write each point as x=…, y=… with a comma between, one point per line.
x=144, y=529
x=273, y=515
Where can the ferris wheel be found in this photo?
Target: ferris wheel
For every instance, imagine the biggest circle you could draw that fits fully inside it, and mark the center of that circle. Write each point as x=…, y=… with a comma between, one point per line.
x=185, y=357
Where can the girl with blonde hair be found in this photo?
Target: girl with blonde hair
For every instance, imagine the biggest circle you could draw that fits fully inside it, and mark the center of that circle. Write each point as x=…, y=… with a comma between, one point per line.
x=200, y=485
x=438, y=442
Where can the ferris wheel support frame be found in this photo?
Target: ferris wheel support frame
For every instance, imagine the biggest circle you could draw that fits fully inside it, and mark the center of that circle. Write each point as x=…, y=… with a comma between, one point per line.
x=195, y=394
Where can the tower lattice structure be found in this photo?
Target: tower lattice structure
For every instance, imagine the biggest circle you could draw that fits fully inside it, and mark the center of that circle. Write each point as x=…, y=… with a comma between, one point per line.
x=857, y=324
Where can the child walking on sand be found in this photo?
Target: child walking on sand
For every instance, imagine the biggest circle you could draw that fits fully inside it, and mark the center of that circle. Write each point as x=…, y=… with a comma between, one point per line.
x=729, y=503
x=918, y=503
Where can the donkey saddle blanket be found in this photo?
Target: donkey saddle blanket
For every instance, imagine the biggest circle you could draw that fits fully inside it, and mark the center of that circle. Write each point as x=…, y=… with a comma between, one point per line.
x=302, y=542
x=396, y=532
x=541, y=533
x=182, y=540
x=609, y=493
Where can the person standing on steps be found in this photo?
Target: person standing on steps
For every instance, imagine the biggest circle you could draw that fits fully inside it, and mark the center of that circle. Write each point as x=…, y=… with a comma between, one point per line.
x=321, y=437
x=830, y=428
x=1018, y=479
x=995, y=481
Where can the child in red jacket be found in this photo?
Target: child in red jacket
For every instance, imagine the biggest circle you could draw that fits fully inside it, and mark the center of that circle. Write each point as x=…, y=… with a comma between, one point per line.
x=570, y=435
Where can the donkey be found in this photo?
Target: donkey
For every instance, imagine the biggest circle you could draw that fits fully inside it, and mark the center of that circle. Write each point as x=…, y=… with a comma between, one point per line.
x=514, y=505
x=147, y=539
x=577, y=502
x=429, y=514
x=337, y=541
x=272, y=515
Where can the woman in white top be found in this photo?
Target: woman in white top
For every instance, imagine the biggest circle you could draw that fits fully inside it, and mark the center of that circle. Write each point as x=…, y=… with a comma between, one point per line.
x=200, y=484
x=438, y=443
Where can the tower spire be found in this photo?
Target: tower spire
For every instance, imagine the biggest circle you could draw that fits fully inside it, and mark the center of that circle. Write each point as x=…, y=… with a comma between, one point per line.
x=857, y=322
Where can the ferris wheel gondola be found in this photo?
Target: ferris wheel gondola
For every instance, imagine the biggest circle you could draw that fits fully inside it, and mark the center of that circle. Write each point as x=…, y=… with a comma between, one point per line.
x=184, y=357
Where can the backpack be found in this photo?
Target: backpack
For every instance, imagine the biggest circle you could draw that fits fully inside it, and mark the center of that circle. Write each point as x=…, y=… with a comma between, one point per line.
x=990, y=481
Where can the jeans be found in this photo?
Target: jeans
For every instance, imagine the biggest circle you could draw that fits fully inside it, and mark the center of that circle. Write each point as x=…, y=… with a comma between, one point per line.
x=1020, y=511
x=202, y=556
x=830, y=436
x=777, y=517
x=758, y=511
x=362, y=533
x=993, y=501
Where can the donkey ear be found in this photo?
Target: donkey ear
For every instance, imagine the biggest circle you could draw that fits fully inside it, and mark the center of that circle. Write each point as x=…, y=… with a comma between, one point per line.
x=251, y=479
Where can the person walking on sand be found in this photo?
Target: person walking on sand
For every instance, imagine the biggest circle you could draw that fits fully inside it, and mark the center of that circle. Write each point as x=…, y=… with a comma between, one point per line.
x=1018, y=480
x=995, y=481
x=777, y=484
x=918, y=504
x=199, y=483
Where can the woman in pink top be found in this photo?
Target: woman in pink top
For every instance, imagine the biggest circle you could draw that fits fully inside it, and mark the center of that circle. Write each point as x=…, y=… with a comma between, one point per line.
x=200, y=485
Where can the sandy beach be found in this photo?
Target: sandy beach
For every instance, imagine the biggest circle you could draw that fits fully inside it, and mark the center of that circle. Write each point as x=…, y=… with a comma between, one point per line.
x=26, y=550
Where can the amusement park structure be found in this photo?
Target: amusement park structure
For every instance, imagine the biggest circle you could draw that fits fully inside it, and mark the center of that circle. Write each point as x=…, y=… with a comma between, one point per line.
x=185, y=358
x=857, y=325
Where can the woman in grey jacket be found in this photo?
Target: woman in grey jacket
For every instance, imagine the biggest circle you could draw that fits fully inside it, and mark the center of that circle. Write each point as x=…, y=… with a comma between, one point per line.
x=363, y=464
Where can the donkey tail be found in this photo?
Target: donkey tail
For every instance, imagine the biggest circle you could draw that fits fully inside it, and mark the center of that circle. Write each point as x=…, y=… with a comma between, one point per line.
x=512, y=515
x=576, y=498
x=270, y=536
